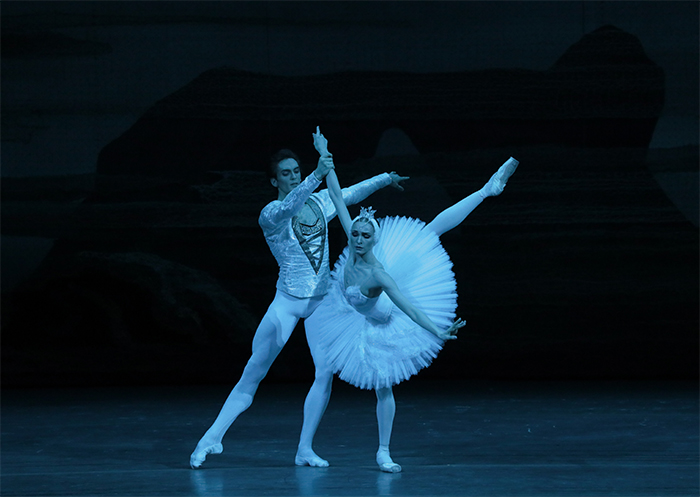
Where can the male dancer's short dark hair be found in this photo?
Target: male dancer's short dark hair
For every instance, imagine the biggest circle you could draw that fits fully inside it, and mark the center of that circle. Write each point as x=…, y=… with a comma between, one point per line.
x=278, y=157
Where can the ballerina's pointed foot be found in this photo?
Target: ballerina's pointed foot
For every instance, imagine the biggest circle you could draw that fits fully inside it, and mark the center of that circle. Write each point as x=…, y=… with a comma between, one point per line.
x=385, y=462
x=309, y=458
x=497, y=183
x=199, y=455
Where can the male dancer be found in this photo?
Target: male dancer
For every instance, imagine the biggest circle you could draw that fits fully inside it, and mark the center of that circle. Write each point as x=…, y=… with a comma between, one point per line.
x=295, y=228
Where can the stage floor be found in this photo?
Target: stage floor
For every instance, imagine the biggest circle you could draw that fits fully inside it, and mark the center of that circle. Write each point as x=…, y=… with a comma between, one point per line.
x=482, y=438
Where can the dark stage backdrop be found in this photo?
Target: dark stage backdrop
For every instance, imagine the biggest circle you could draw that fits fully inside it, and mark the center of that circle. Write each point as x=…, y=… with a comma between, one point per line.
x=135, y=137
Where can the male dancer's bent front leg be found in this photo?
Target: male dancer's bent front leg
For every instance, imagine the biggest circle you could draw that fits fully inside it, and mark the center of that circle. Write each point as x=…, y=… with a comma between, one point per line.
x=317, y=398
x=270, y=337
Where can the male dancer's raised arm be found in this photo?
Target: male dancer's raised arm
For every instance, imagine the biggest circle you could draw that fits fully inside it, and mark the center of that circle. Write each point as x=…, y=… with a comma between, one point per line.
x=293, y=200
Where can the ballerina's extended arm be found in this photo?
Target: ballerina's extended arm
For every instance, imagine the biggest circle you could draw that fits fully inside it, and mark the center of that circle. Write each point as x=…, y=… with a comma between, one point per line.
x=389, y=286
x=334, y=190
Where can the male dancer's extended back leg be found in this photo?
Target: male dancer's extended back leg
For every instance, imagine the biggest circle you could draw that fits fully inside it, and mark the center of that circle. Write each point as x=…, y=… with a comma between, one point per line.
x=270, y=337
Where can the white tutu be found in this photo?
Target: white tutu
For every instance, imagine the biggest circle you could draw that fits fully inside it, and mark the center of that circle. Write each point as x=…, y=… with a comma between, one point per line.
x=376, y=345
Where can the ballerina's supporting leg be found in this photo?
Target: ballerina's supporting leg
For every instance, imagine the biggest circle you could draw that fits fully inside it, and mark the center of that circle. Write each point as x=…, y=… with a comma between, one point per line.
x=272, y=333
x=386, y=408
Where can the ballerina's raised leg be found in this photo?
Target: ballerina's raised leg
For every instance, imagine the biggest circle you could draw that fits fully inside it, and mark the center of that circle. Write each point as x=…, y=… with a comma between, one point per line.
x=454, y=215
x=443, y=222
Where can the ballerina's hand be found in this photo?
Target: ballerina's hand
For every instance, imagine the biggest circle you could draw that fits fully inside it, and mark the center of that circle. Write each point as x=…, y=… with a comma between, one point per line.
x=320, y=143
x=451, y=332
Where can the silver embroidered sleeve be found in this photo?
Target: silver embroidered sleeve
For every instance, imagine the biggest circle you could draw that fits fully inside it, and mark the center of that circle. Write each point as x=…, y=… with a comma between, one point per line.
x=360, y=191
x=292, y=203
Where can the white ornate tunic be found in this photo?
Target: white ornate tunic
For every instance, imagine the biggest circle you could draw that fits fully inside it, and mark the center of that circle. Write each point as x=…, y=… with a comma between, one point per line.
x=301, y=250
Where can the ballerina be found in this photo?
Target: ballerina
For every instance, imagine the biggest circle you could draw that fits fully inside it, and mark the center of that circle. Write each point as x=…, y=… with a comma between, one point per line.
x=392, y=298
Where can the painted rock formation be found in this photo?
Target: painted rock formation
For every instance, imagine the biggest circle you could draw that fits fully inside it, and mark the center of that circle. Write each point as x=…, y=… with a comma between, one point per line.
x=582, y=268
x=602, y=92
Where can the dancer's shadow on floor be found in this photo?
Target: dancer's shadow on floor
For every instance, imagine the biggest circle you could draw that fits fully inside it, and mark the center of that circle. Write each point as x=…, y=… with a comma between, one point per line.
x=385, y=483
x=321, y=481
x=207, y=484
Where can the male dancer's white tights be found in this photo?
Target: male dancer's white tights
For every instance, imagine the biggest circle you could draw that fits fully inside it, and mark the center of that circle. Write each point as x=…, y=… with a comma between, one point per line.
x=272, y=334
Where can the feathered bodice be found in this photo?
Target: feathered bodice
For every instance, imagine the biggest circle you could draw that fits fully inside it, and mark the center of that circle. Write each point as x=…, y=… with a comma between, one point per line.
x=377, y=309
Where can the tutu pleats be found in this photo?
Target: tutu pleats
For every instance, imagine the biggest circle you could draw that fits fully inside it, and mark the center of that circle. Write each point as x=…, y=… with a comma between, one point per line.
x=371, y=353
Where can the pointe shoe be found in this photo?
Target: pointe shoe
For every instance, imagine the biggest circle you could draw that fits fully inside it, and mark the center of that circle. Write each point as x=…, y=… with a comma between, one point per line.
x=198, y=456
x=386, y=464
x=497, y=183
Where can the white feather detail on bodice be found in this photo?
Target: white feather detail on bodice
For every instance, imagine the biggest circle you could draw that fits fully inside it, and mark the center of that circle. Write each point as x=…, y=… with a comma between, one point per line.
x=375, y=308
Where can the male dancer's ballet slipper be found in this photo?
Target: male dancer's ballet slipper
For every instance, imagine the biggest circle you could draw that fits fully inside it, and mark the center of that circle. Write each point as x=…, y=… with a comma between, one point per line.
x=385, y=462
x=198, y=456
x=310, y=459
x=497, y=183
x=390, y=467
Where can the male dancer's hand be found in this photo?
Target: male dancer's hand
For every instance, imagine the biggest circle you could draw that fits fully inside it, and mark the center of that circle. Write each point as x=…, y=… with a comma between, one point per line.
x=325, y=165
x=396, y=180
